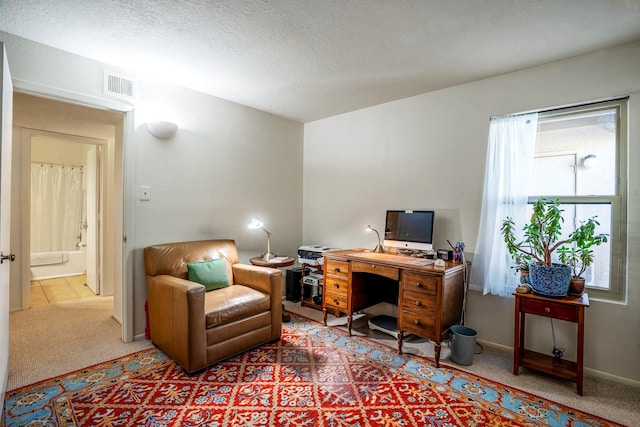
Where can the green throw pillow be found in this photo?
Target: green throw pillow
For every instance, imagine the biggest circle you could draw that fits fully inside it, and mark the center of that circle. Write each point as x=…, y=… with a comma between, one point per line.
x=211, y=274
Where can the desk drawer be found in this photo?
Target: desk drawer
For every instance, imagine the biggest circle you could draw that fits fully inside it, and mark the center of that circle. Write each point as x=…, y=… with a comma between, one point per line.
x=417, y=324
x=549, y=309
x=371, y=267
x=337, y=268
x=422, y=283
x=335, y=299
x=336, y=285
x=419, y=303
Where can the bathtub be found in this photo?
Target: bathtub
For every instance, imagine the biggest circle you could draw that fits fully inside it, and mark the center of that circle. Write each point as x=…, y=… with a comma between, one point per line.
x=49, y=265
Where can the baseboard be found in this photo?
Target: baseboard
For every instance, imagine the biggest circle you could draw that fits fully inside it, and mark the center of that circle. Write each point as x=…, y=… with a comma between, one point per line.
x=117, y=318
x=588, y=371
x=611, y=377
x=502, y=347
x=140, y=337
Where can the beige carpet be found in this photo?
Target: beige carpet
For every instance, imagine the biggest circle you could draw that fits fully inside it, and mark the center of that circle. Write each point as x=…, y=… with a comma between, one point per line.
x=58, y=338
x=606, y=399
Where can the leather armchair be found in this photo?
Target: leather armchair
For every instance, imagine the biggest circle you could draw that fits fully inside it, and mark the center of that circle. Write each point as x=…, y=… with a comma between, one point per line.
x=198, y=328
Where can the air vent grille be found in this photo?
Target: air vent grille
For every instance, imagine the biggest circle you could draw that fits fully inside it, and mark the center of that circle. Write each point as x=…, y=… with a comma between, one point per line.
x=119, y=85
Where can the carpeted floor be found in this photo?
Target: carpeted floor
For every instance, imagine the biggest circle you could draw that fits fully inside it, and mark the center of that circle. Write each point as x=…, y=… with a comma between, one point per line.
x=314, y=376
x=58, y=338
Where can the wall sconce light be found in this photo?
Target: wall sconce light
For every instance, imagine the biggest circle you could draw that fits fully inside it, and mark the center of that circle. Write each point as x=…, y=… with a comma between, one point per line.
x=379, y=248
x=256, y=223
x=590, y=161
x=161, y=129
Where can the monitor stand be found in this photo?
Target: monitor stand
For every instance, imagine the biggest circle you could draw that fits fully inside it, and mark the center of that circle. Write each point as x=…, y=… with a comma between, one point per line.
x=384, y=323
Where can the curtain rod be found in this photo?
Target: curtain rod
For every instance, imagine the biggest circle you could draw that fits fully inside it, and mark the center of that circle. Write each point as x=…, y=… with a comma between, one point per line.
x=57, y=164
x=550, y=110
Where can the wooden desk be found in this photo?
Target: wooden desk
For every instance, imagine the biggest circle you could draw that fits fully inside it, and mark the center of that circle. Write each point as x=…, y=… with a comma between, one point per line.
x=570, y=309
x=429, y=298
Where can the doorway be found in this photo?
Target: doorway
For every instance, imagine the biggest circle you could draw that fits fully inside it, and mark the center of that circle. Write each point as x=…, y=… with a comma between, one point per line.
x=87, y=127
x=65, y=225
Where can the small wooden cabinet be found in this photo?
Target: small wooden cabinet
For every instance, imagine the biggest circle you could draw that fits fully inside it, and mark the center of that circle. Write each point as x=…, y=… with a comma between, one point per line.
x=429, y=298
x=570, y=309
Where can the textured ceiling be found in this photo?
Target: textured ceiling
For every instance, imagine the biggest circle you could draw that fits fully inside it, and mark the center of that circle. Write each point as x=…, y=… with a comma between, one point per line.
x=310, y=59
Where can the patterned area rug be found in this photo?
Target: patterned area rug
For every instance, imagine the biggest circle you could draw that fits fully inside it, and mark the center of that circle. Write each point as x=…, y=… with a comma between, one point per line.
x=314, y=376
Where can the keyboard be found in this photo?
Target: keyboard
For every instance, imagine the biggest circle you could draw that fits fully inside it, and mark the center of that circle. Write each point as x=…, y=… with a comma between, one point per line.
x=401, y=259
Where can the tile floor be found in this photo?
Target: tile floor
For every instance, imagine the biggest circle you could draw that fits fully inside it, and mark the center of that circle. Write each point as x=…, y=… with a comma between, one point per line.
x=49, y=291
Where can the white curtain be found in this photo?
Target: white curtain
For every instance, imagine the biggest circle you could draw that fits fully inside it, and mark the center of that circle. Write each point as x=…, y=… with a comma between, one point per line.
x=56, y=207
x=508, y=168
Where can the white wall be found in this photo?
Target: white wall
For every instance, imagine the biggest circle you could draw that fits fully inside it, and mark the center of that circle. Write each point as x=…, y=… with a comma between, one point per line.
x=429, y=151
x=226, y=164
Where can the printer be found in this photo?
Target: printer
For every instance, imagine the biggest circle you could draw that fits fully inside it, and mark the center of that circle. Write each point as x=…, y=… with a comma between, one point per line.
x=313, y=254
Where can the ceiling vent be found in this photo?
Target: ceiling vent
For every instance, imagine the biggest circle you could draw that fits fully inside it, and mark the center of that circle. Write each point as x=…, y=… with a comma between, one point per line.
x=118, y=85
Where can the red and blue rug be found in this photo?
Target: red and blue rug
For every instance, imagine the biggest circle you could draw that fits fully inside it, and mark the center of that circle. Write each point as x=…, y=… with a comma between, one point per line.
x=314, y=376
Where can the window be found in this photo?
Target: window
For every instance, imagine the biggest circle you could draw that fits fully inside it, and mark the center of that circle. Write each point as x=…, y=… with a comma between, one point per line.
x=577, y=155
x=580, y=158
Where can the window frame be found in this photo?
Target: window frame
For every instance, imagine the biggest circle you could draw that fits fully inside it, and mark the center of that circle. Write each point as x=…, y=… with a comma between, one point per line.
x=618, y=201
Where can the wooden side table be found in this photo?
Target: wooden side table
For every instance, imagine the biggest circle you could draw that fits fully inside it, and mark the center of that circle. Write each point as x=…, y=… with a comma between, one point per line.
x=278, y=263
x=570, y=309
x=285, y=262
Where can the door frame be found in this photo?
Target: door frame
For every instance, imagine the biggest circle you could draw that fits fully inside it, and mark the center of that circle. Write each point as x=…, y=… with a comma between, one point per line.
x=6, y=160
x=25, y=225
x=124, y=197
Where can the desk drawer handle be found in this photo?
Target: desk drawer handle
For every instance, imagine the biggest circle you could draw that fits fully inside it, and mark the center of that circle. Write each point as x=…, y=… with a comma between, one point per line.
x=336, y=269
x=336, y=285
x=335, y=301
x=419, y=285
x=547, y=310
x=418, y=304
x=373, y=266
x=417, y=322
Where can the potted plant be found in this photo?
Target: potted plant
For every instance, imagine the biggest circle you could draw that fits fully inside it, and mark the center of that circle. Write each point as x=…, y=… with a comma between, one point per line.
x=579, y=255
x=521, y=264
x=542, y=237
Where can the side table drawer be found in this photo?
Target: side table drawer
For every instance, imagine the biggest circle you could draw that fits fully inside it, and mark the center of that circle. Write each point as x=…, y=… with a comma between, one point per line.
x=549, y=309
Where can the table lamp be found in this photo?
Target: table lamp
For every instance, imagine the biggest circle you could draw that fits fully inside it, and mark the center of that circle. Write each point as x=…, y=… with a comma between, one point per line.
x=379, y=247
x=256, y=223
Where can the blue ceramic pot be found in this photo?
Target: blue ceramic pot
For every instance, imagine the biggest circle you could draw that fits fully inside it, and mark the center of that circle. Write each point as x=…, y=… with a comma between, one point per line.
x=550, y=282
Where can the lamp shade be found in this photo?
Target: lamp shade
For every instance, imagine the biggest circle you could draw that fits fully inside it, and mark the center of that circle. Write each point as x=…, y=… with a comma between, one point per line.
x=161, y=129
x=590, y=161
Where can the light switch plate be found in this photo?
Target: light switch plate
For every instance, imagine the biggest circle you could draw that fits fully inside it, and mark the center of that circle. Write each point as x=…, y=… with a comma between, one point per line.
x=145, y=192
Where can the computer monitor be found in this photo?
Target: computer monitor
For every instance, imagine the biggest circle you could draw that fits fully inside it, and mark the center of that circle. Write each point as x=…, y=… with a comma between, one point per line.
x=409, y=229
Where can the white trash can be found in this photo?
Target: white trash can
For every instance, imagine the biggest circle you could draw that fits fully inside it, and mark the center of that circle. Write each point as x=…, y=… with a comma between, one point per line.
x=463, y=344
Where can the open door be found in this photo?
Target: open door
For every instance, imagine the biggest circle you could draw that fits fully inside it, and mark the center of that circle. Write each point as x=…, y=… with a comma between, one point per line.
x=6, y=120
x=93, y=219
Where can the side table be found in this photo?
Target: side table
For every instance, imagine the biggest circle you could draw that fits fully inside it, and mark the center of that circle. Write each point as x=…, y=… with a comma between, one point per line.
x=570, y=309
x=279, y=262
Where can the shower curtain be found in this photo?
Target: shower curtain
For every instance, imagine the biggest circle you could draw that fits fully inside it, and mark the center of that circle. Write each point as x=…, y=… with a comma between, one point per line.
x=56, y=207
